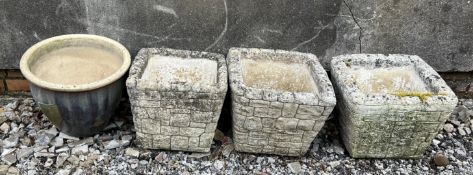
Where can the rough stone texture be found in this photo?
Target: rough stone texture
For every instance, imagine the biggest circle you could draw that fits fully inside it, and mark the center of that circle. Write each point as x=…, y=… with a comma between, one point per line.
x=277, y=122
x=396, y=123
x=176, y=116
x=437, y=30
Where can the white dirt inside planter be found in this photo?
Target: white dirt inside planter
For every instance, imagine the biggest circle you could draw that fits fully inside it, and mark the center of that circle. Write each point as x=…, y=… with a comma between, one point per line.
x=76, y=65
x=388, y=80
x=165, y=70
x=276, y=75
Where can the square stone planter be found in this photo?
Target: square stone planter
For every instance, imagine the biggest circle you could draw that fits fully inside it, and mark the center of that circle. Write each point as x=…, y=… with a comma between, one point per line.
x=280, y=100
x=176, y=97
x=391, y=106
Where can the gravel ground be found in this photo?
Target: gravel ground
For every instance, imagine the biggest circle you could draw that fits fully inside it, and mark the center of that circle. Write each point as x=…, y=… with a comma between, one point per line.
x=31, y=145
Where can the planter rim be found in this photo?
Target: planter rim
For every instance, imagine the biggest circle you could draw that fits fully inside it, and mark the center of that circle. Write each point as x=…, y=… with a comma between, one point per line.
x=441, y=92
x=324, y=97
x=124, y=54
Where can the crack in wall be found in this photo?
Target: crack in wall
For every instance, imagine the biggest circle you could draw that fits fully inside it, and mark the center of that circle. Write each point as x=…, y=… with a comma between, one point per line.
x=224, y=28
x=320, y=28
x=356, y=22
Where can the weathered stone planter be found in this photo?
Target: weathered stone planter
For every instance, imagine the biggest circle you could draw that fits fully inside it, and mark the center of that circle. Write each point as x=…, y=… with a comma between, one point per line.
x=390, y=106
x=280, y=100
x=176, y=98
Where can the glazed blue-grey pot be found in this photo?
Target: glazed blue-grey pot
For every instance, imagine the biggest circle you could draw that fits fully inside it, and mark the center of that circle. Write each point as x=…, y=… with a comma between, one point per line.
x=77, y=110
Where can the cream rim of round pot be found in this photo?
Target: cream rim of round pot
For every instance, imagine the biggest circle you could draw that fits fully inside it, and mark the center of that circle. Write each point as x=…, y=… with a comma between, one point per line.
x=29, y=54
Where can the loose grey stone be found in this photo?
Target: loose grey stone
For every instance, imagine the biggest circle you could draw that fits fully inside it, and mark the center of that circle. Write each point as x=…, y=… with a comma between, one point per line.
x=124, y=143
x=463, y=114
x=57, y=142
x=448, y=127
x=271, y=160
x=467, y=130
x=111, y=144
x=12, y=116
x=218, y=164
x=143, y=162
x=9, y=158
x=5, y=127
x=14, y=127
x=461, y=131
x=80, y=150
x=336, y=149
x=52, y=132
x=295, y=167
x=44, y=154
x=259, y=160
x=79, y=171
x=435, y=142
x=127, y=138
x=64, y=172
x=42, y=139
x=32, y=172
x=2, y=118
x=132, y=152
x=39, y=148
x=52, y=149
x=49, y=162
x=134, y=163
x=13, y=171
x=73, y=160
x=24, y=152
x=4, y=169
x=63, y=149
x=11, y=141
x=61, y=158
x=334, y=163
x=85, y=141
x=460, y=152
x=455, y=122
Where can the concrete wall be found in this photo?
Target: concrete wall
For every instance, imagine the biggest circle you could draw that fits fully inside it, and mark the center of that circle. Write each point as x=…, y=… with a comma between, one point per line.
x=440, y=31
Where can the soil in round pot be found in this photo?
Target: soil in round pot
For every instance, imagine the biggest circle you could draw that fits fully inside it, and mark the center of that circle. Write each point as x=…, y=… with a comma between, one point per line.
x=76, y=65
x=77, y=80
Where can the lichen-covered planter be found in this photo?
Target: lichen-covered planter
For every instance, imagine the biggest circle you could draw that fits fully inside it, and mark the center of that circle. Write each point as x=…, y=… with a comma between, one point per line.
x=176, y=98
x=390, y=106
x=280, y=100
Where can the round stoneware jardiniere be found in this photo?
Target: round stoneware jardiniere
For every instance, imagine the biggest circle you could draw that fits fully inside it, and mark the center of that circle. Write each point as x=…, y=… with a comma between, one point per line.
x=77, y=80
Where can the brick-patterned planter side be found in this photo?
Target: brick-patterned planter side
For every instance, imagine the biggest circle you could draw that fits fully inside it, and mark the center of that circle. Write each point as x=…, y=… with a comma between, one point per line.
x=176, y=117
x=389, y=125
x=277, y=122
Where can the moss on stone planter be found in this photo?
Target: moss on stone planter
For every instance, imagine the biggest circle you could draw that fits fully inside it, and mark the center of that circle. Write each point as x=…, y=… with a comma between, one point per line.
x=390, y=106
